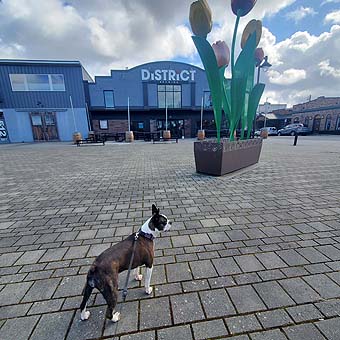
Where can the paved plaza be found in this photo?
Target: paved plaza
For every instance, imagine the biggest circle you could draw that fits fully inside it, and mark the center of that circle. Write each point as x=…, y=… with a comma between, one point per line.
x=253, y=255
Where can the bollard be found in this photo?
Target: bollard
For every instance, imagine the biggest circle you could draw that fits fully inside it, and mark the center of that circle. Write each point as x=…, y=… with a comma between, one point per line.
x=295, y=138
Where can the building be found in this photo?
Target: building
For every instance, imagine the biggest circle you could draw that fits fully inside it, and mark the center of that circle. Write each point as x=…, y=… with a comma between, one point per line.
x=276, y=118
x=152, y=89
x=42, y=100
x=51, y=100
x=321, y=115
x=267, y=107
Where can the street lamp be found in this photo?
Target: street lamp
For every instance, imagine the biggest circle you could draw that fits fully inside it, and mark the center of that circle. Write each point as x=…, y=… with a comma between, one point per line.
x=265, y=65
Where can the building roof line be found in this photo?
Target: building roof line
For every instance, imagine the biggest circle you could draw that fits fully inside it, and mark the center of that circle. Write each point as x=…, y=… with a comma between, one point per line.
x=159, y=62
x=37, y=61
x=149, y=63
x=325, y=108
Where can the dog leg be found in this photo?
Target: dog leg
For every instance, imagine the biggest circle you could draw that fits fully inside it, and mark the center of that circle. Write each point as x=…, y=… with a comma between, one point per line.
x=110, y=295
x=148, y=289
x=84, y=315
x=138, y=276
x=115, y=317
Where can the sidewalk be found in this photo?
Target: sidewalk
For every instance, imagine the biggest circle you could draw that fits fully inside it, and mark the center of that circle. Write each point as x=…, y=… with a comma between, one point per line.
x=251, y=256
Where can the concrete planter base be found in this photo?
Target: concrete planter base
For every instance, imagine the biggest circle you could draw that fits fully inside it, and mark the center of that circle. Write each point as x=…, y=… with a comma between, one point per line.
x=218, y=159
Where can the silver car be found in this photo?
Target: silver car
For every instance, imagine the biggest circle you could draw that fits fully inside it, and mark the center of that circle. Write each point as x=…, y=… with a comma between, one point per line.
x=292, y=129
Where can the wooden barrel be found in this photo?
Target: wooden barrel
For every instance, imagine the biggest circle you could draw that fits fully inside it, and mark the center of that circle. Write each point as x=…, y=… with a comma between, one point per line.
x=76, y=137
x=166, y=134
x=201, y=134
x=264, y=133
x=91, y=135
x=129, y=136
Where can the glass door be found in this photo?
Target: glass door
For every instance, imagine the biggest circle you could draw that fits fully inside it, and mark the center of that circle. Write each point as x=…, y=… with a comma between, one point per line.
x=176, y=126
x=3, y=130
x=44, y=126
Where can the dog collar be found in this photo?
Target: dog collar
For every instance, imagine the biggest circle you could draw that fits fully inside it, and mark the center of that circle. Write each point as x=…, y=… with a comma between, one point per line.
x=146, y=235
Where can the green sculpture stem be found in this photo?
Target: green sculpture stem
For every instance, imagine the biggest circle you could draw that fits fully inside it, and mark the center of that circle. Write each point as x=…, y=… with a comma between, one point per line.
x=234, y=41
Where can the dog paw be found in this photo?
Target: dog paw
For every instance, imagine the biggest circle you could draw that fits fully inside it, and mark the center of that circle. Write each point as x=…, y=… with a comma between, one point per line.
x=116, y=317
x=84, y=315
x=139, y=277
x=148, y=290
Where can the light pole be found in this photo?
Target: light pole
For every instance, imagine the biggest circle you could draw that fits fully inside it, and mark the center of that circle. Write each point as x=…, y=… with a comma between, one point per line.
x=265, y=112
x=265, y=66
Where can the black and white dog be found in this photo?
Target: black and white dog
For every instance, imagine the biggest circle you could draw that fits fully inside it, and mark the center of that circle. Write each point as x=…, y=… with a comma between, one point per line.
x=103, y=273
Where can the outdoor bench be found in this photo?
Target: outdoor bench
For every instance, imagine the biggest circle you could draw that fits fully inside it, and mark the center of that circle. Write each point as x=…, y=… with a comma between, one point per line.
x=90, y=141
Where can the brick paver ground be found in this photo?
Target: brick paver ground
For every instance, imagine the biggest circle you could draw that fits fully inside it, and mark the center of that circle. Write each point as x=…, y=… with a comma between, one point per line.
x=255, y=255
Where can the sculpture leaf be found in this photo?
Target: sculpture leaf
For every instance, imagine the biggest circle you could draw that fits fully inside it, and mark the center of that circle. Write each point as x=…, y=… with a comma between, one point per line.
x=212, y=71
x=254, y=100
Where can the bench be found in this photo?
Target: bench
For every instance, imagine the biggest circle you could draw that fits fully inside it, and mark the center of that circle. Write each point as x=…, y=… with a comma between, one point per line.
x=158, y=139
x=116, y=137
x=90, y=140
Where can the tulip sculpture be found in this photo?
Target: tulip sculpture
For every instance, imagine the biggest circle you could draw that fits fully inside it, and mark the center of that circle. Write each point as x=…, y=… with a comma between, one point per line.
x=238, y=96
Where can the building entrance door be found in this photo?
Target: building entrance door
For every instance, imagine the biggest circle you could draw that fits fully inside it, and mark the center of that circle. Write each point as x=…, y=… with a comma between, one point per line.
x=3, y=130
x=316, y=123
x=44, y=126
x=176, y=127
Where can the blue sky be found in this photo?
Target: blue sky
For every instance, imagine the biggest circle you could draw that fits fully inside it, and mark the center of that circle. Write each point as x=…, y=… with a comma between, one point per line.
x=300, y=37
x=282, y=25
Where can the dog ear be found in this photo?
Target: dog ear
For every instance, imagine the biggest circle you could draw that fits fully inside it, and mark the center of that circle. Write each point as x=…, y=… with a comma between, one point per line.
x=154, y=210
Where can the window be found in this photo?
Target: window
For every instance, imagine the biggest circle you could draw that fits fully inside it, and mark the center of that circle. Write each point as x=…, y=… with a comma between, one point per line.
x=328, y=122
x=207, y=99
x=37, y=82
x=306, y=122
x=296, y=120
x=108, y=99
x=18, y=82
x=337, y=127
x=170, y=96
x=103, y=125
x=57, y=82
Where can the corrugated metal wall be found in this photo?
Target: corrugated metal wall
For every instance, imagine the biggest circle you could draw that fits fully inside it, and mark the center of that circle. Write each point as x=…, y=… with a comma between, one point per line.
x=50, y=99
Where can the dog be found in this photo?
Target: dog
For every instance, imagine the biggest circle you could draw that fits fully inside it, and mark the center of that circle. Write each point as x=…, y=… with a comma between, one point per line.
x=103, y=273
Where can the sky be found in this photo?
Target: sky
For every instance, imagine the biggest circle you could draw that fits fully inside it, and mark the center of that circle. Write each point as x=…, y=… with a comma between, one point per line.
x=301, y=38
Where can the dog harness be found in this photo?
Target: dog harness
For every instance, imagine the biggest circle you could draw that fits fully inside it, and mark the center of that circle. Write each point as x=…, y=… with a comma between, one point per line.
x=146, y=235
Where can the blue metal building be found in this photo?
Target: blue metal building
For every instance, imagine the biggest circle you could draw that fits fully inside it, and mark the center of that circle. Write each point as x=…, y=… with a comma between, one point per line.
x=42, y=100
x=151, y=88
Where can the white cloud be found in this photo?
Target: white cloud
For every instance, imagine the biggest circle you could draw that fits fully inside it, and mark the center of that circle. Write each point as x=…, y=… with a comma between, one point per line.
x=333, y=17
x=287, y=77
x=327, y=70
x=329, y=2
x=9, y=51
x=314, y=59
x=301, y=13
x=124, y=33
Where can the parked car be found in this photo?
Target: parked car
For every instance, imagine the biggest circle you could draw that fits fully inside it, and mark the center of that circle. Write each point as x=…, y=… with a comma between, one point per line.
x=272, y=131
x=292, y=129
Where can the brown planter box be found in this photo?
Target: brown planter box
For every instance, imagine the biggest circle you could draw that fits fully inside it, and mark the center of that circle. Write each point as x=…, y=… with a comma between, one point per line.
x=218, y=159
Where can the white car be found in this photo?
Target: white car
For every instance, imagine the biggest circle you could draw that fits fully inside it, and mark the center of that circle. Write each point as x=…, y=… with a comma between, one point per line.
x=272, y=131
